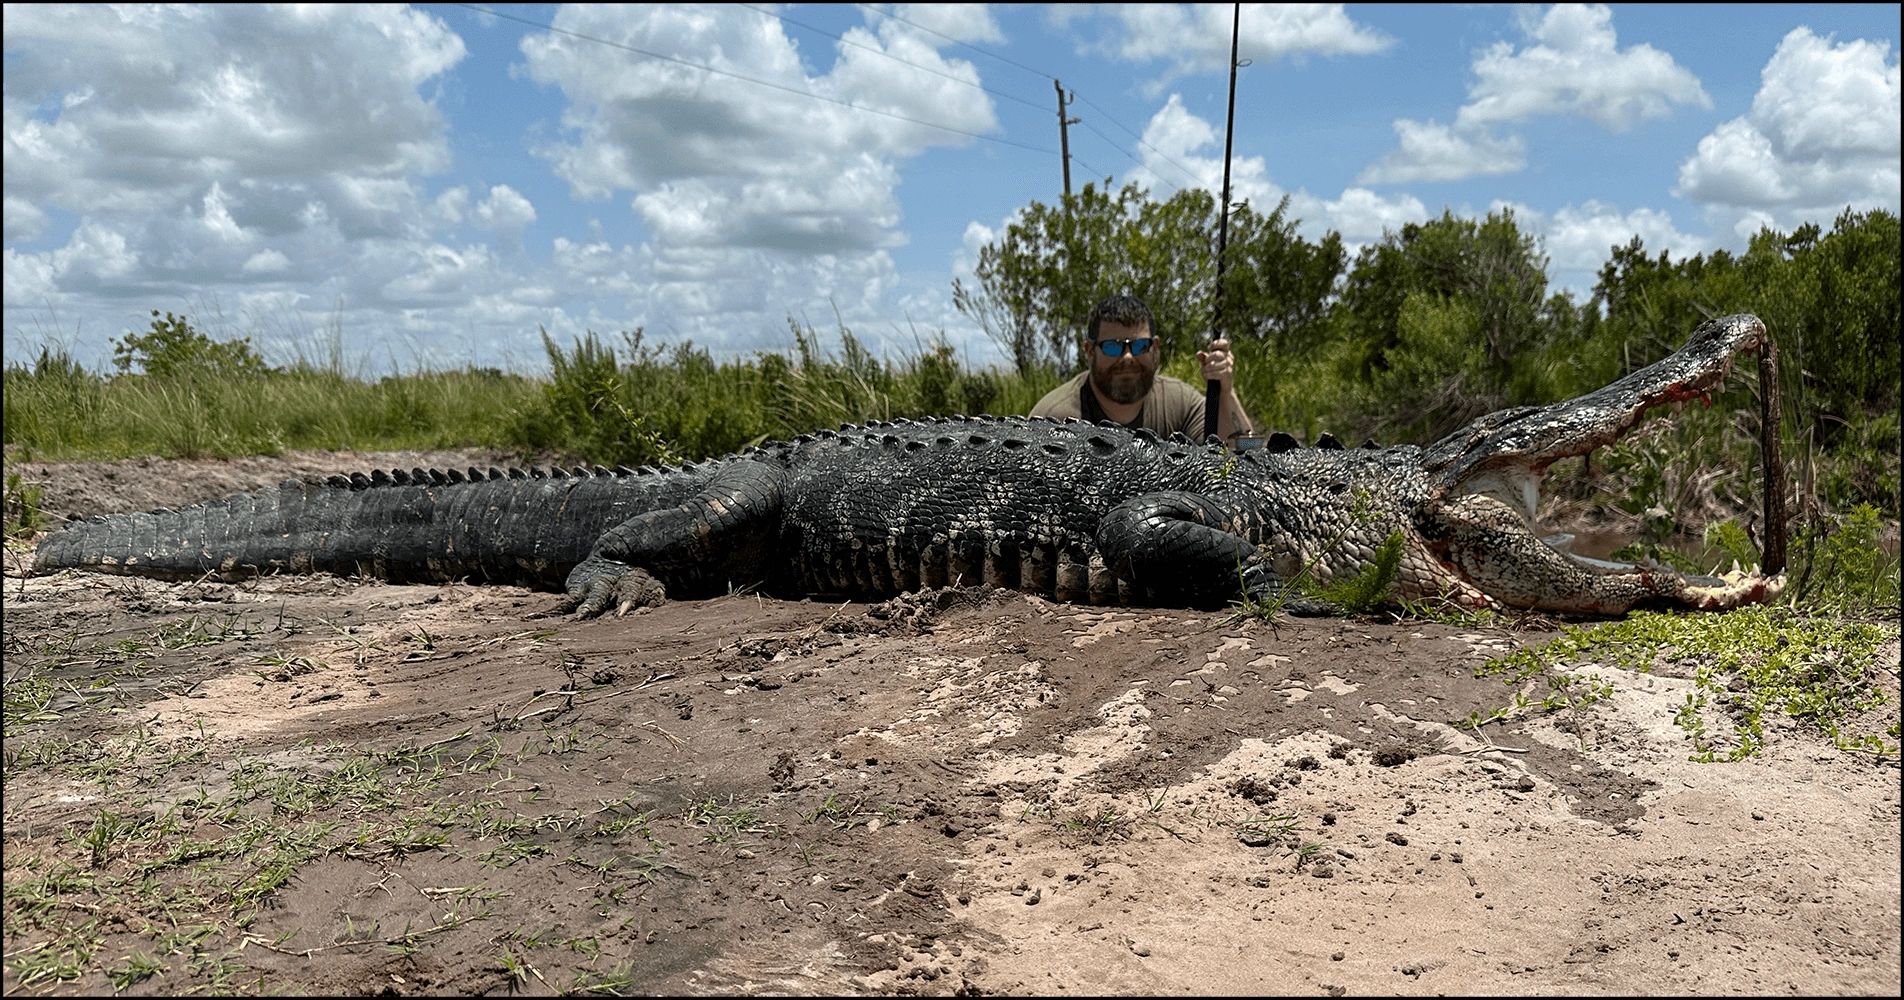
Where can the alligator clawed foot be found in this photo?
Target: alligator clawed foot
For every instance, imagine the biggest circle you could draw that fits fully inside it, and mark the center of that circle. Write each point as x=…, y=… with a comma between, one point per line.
x=1263, y=588
x=599, y=585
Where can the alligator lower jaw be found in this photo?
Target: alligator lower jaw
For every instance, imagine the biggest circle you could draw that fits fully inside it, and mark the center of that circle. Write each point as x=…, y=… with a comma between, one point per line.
x=1606, y=586
x=1733, y=589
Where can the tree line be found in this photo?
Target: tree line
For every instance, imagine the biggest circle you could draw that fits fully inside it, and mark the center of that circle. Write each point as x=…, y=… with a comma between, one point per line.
x=1439, y=321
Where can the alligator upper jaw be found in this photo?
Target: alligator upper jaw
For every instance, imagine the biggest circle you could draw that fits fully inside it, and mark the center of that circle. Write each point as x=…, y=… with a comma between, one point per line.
x=1526, y=440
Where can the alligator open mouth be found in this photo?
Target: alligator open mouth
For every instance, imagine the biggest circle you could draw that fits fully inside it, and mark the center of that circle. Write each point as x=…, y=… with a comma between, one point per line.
x=1505, y=455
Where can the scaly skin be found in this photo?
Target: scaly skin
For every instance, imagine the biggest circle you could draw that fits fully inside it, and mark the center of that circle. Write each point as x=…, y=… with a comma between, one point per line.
x=1072, y=511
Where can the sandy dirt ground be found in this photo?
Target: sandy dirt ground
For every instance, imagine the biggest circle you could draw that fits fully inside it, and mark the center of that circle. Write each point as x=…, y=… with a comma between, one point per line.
x=328, y=786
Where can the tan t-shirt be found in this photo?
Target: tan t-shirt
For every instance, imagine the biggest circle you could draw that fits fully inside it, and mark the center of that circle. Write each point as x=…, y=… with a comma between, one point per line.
x=1172, y=406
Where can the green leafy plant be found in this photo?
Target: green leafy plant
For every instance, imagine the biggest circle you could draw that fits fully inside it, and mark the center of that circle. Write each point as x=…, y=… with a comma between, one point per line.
x=1374, y=585
x=1750, y=665
x=1844, y=566
x=173, y=348
x=24, y=517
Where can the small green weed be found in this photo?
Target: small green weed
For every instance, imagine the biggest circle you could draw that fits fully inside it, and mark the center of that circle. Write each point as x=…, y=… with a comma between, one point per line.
x=1099, y=826
x=1374, y=585
x=137, y=968
x=1263, y=831
x=24, y=518
x=724, y=821
x=616, y=982
x=1751, y=664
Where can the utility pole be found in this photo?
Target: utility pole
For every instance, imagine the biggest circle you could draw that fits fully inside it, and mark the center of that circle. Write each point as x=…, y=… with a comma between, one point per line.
x=1064, y=136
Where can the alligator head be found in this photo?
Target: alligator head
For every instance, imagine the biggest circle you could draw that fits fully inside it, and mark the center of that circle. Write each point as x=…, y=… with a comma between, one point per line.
x=1484, y=483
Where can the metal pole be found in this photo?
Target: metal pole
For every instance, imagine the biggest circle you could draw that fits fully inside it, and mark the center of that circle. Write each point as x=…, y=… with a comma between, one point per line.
x=1212, y=392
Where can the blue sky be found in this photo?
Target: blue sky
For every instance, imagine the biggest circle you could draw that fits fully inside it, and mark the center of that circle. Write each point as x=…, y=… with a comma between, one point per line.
x=430, y=186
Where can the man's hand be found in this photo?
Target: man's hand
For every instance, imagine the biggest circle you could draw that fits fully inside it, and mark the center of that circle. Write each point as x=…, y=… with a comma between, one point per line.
x=1217, y=365
x=1219, y=369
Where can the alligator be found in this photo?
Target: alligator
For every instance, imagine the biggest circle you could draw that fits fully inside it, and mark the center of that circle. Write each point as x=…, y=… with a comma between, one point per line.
x=1072, y=511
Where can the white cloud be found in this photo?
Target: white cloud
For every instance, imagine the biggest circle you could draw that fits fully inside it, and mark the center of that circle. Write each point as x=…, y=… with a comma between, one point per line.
x=438, y=274
x=24, y=220
x=1360, y=215
x=95, y=259
x=215, y=153
x=217, y=220
x=139, y=125
x=451, y=204
x=1576, y=67
x=952, y=22
x=30, y=279
x=1173, y=139
x=714, y=160
x=1579, y=239
x=267, y=262
x=755, y=200
x=1431, y=151
x=1822, y=135
x=505, y=211
x=1195, y=38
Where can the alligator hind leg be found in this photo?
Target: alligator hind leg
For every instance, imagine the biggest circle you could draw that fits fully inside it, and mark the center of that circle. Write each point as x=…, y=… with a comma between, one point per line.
x=719, y=538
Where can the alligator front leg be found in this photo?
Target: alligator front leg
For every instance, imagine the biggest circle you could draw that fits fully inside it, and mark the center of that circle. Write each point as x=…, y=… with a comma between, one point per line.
x=718, y=539
x=1180, y=549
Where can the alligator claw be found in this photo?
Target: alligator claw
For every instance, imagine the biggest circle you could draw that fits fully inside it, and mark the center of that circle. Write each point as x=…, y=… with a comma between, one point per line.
x=1262, y=587
x=598, y=585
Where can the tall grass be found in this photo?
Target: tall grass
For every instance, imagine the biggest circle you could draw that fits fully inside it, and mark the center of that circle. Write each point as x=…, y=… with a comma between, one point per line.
x=638, y=403
x=602, y=402
x=58, y=410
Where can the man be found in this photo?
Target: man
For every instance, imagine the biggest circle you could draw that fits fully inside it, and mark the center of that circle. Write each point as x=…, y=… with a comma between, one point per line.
x=1120, y=381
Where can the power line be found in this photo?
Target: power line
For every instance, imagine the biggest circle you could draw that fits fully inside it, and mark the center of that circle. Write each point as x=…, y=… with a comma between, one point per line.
x=1187, y=172
x=949, y=38
x=843, y=40
x=748, y=79
x=992, y=55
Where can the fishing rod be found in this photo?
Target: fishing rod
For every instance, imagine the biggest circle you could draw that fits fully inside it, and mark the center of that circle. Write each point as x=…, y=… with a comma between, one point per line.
x=1212, y=390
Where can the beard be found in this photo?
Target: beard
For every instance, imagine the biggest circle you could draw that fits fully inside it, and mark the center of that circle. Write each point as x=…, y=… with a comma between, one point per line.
x=1126, y=382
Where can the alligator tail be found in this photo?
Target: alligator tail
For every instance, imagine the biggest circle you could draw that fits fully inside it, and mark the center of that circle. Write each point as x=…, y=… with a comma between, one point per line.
x=423, y=526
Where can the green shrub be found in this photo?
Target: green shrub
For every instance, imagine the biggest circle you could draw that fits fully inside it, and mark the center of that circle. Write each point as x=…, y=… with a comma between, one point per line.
x=173, y=348
x=23, y=515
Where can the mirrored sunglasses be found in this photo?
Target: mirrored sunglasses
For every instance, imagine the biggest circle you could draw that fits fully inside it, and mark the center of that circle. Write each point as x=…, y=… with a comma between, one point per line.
x=1116, y=348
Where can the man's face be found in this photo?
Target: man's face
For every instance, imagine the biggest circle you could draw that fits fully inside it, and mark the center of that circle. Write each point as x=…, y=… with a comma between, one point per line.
x=1125, y=379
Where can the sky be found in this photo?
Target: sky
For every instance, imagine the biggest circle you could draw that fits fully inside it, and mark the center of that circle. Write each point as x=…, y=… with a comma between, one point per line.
x=433, y=186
